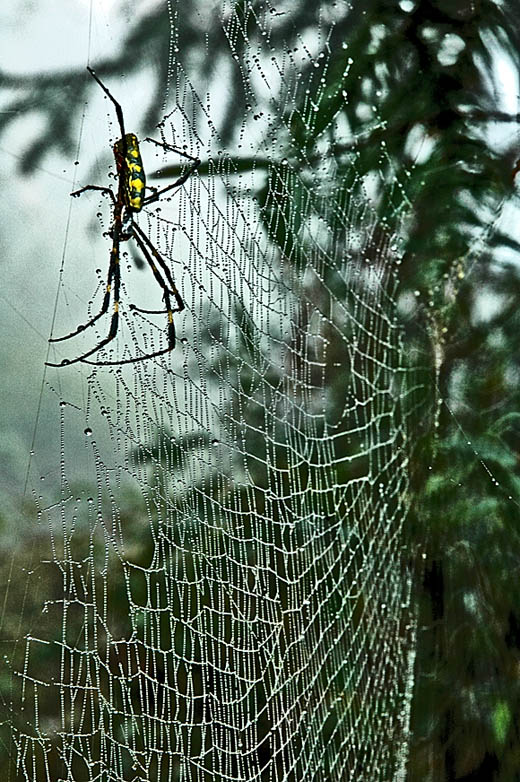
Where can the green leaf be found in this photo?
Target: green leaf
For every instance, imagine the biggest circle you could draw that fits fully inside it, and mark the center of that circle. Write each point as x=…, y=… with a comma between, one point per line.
x=501, y=720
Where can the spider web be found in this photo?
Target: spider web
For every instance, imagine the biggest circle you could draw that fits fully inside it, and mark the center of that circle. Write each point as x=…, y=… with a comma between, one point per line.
x=225, y=595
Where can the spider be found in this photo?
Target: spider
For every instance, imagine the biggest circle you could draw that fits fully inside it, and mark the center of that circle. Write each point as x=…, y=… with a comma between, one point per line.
x=130, y=199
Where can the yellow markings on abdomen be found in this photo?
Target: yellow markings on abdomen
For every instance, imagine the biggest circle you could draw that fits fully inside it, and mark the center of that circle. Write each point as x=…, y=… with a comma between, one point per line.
x=137, y=184
x=130, y=167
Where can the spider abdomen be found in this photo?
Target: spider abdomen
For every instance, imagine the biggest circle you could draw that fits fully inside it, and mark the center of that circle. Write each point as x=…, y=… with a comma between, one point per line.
x=130, y=166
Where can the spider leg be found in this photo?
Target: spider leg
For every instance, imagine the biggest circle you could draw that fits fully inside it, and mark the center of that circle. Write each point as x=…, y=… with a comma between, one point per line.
x=166, y=292
x=146, y=356
x=113, y=255
x=171, y=148
x=119, y=110
x=195, y=163
x=146, y=248
x=114, y=273
x=128, y=360
x=95, y=187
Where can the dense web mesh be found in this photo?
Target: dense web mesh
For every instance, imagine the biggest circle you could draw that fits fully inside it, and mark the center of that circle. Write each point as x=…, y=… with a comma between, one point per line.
x=231, y=600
